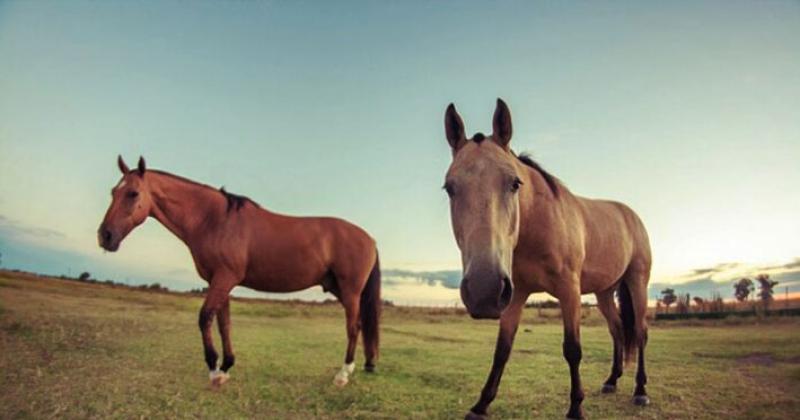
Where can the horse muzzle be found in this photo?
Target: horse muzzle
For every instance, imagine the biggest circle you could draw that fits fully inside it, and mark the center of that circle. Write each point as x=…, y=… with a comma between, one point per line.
x=484, y=298
x=107, y=239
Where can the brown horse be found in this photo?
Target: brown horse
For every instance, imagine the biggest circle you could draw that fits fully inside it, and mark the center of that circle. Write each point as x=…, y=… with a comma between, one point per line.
x=235, y=242
x=521, y=231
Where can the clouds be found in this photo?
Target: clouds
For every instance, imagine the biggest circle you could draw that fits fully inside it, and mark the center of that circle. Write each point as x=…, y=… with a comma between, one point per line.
x=729, y=270
x=450, y=279
x=697, y=282
x=39, y=249
x=792, y=265
x=720, y=278
x=422, y=288
x=702, y=279
x=702, y=271
x=14, y=229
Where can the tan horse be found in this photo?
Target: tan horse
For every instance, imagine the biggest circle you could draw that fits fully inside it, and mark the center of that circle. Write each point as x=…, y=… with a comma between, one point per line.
x=234, y=242
x=521, y=231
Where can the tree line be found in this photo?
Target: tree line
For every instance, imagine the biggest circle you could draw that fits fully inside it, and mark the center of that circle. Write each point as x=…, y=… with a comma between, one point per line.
x=742, y=291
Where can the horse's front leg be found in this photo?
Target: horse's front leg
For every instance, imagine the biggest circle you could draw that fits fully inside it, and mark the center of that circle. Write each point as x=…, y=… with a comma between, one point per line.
x=224, y=324
x=219, y=288
x=509, y=322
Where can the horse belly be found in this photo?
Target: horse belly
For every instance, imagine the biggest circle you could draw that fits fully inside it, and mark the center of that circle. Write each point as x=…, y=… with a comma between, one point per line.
x=283, y=277
x=598, y=277
x=594, y=284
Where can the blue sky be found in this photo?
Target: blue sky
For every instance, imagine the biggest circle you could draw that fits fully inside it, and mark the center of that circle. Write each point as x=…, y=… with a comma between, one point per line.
x=687, y=111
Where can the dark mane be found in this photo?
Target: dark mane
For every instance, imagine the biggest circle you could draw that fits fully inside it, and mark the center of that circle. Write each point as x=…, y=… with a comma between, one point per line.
x=551, y=181
x=235, y=202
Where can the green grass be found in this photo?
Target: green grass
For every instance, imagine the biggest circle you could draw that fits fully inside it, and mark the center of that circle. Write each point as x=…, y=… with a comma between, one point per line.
x=86, y=351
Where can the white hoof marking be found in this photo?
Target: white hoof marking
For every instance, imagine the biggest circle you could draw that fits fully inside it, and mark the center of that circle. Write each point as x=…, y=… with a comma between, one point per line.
x=218, y=377
x=343, y=377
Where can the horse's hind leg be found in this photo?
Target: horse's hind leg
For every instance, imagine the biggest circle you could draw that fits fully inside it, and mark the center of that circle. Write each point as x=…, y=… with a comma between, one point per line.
x=351, y=304
x=637, y=284
x=605, y=302
x=640, y=394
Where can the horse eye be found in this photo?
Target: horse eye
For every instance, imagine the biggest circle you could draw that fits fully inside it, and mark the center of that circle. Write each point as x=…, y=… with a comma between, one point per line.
x=132, y=194
x=449, y=188
x=515, y=185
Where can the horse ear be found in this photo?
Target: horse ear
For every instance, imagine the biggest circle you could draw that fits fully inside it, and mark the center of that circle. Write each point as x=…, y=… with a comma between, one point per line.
x=454, y=128
x=501, y=123
x=141, y=166
x=122, y=166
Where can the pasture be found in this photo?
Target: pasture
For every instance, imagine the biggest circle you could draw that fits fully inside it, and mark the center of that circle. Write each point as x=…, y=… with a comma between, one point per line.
x=73, y=350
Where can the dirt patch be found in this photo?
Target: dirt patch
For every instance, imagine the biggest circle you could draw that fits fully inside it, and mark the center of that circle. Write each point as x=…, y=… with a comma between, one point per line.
x=767, y=359
x=4, y=283
x=756, y=358
x=424, y=336
x=760, y=359
x=18, y=329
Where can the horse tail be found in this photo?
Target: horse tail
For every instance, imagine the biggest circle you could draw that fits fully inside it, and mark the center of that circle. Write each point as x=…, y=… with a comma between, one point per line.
x=630, y=336
x=370, y=313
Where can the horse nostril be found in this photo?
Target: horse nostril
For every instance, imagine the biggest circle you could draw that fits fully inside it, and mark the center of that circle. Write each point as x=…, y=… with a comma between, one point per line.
x=106, y=235
x=506, y=290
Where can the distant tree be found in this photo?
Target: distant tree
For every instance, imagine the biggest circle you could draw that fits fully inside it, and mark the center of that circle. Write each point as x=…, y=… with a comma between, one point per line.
x=84, y=276
x=683, y=303
x=765, y=286
x=742, y=289
x=668, y=297
x=716, y=304
x=699, y=302
x=547, y=304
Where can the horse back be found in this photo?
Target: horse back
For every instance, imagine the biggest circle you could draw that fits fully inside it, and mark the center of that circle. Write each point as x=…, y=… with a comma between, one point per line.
x=286, y=253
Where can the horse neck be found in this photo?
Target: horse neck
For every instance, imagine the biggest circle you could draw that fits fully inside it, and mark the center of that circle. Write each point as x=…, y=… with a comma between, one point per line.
x=183, y=207
x=540, y=205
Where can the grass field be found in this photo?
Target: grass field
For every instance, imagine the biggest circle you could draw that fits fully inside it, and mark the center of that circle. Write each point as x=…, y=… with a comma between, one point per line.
x=73, y=350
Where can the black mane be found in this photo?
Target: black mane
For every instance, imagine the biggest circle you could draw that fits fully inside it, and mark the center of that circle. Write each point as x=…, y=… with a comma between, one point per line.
x=235, y=202
x=551, y=181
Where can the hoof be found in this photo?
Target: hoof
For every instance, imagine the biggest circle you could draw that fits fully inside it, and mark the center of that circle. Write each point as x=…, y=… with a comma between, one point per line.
x=473, y=416
x=576, y=415
x=609, y=389
x=641, y=400
x=340, y=381
x=218, y=378
x=369, y=368
x=343, y=376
